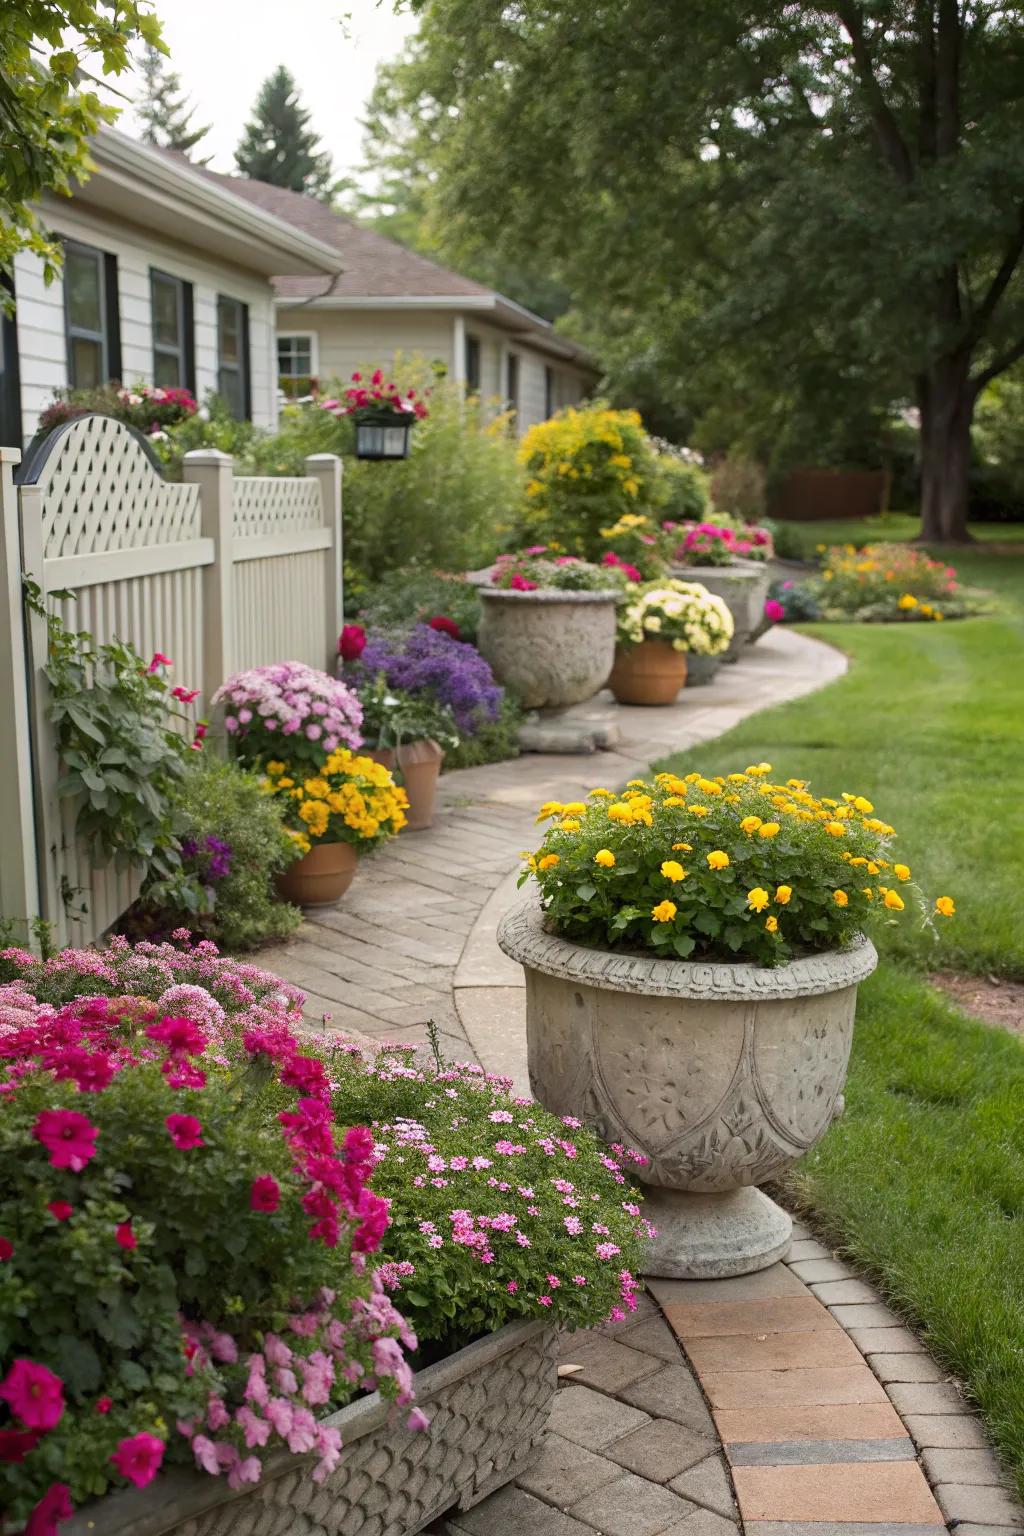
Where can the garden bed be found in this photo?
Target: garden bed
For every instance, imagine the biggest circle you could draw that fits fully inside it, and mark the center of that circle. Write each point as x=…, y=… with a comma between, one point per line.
x=488, y=1406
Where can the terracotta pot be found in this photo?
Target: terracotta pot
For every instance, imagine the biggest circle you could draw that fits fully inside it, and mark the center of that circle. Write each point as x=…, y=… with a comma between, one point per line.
x=321, y=877
x=648, y=673
x=419, y=766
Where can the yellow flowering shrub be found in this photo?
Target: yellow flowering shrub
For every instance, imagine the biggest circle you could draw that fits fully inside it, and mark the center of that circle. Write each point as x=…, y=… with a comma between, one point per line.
x=735, y=867
x=350, y=799
x=586, y=467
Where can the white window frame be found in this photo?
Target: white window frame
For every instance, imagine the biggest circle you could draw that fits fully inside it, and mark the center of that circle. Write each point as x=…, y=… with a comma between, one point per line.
x=314, y=352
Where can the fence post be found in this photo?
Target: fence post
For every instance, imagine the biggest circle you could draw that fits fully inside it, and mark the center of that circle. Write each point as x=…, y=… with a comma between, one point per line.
x=213, y=472
x=326, y=467
x=19, y=869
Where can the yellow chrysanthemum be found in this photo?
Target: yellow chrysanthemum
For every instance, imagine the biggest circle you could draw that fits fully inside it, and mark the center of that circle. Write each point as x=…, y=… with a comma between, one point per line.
x=945, y=906
x=771, y=924
x=605, y=858
x=901, y=871
x=673, y=871
x=664, y=912
x=718, y=859
x=750, y=824
x=758, y=899
x=768, y=829
x=783, y=894
x=840, y=898
x=548, y=861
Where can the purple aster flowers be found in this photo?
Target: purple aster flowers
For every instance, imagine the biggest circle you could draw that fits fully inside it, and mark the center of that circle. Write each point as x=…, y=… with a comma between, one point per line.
x=425, y=660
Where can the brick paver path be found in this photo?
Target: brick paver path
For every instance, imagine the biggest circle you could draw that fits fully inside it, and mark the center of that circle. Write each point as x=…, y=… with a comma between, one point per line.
x=786, y=1403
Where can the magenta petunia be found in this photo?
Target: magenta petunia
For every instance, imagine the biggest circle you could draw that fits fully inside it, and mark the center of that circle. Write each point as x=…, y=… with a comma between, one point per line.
x=138, y=1458
x=60, y=1210
x=53, y=1508
x=125, y=1237
x=265, y=1193
x=34, y=1394
x=68, y=1136
x=185, y=1131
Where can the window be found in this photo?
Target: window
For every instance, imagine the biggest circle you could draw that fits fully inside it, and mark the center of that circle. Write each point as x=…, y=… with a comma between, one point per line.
x=473, y=364
x=233, y=355
x=91, y=317
x=173, y=349
x=512, y=380
x=295, y=356
x=549, y=392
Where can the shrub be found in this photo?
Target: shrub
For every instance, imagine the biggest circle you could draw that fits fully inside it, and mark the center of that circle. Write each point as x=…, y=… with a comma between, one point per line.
x=213, y=426
x=346, y=799
x=728, y=868
x=494, y=741
x=425, y=660
x=888, y=582
x=499, y=1210
x=233, y=843
x=392, y=717
x=637, y=546
x=539, y=568
x=587, y=466
x=738, y=486
x=411, y=593
x=683, y=613
x=796, y=599
x=183, y=1241
x=147, y=407
x=683, y=494
x=290, y=711
x=704, y=544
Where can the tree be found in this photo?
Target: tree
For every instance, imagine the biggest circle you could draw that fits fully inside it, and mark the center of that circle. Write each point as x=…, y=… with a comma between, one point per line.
x=840, y=181
x=278, y=145
x=164, y=109
x=47, y=111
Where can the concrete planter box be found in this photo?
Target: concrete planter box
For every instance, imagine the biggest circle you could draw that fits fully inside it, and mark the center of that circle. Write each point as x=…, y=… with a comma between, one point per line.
x=488, y=1407
x=742, y=586
x=724, y=1075
x=551, y=648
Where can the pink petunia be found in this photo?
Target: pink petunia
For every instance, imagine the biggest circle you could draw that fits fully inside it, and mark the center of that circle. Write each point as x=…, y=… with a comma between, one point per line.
x=34, y=1394
x=68, y=1136
x=53, y=1508
x=185, y=1131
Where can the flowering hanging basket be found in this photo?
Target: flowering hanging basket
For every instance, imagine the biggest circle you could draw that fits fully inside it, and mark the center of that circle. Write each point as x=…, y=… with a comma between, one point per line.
x=383, y=416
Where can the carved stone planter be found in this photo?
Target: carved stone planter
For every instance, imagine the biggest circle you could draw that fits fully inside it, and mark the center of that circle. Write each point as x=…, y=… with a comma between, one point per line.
x=488, y=1407
x=724, y=1075
x=551, y=648
x=742, y=586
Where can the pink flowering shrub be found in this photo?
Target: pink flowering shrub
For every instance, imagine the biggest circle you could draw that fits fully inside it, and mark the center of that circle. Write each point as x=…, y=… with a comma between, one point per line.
x=499, y=1210
x=184, y=1241
x=290, y=712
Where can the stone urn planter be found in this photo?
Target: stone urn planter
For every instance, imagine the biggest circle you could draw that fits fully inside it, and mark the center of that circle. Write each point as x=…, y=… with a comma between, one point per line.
x=488, y=1407
x=551, y=648
x=321, y=877
x=419, y=763
x=742, y=586
x=649, y=673
x=724, y=1075
x=701, y=670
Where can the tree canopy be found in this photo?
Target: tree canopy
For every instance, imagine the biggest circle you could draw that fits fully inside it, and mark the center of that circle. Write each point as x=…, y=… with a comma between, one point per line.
x=806, y=201
x=279, y=146
x=50, y=55
x=163, y=107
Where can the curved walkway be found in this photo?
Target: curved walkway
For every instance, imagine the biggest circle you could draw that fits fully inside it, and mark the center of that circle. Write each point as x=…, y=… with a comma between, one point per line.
x=787, y=1403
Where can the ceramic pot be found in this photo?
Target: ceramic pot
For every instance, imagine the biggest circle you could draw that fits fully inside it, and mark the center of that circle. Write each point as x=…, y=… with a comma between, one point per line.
x=419, y=764
x=742, y=586
x=701, y=670
x=321, y=877
x=724, y=1075
x=551, y=648
x=648, y=673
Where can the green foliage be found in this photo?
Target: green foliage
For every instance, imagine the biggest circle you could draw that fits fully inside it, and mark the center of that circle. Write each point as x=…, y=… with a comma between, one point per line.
x=122, y=756
x=738, y=487
x=277, y=143
x=213, y=426
x=163, y=109
x=48, y=51
x=240, y=910
x=888, y=583
x=494, y=741
x=413, y=594
x=393, y=717
x=683, y=494
x=998, y=488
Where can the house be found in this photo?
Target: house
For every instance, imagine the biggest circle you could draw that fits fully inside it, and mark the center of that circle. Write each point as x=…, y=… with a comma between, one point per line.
x=387, y=299
x=167, y=279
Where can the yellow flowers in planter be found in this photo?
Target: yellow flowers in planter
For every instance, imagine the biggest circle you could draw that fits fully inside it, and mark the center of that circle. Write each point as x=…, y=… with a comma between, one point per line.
x=742, y=886
x=350, y=799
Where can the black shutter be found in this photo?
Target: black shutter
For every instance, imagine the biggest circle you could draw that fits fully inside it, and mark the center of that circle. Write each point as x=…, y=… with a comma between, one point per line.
x=246, y=364
x=10, y=375
x=189, y=340
x=113, y=317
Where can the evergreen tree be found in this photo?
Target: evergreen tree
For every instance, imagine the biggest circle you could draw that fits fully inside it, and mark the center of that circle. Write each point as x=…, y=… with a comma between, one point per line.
x=278, y=144
x=163, y=108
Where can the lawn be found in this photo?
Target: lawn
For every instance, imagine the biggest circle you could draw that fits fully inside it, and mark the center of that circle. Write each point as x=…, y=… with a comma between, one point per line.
x=922, y=1181
x=799, y=540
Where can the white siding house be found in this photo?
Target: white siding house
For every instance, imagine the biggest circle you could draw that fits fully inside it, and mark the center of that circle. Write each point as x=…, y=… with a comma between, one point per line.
x=166, y=280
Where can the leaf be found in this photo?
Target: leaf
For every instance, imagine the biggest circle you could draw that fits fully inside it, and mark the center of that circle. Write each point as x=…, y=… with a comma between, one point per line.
x=79, y=1364
x=707, y=922
x=684, y=944
x=586, y=891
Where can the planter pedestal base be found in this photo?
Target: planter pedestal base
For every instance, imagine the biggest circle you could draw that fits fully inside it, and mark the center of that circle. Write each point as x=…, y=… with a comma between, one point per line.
x=709, y=1237
x=589, y=727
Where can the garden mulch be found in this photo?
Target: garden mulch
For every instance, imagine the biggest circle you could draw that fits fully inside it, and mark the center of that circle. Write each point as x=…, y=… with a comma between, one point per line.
x=792, y=1402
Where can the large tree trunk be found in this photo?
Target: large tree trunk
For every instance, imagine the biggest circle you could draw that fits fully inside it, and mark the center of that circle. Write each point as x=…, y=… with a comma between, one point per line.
x=946, y=400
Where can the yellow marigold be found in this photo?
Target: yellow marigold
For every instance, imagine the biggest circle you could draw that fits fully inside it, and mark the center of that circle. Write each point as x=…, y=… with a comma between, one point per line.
x=709, y=786
x=286, y=783
x=737, y=778
x=835, y=829
x=674, y=800
x=664, y=912
x=603, y=793
x=644, y=816
x=768, y=829
x=760, y=769
x=869, y=893
x=697, y=810
x=574, y=808
x=945, y=906
x=718, y=859
x=569, y=825
x=758, y=899
x=548, y=861
x=901, y=871
x=894, y=901
x=275, y=769
x=751, y=823
x=907, y=602
x=864, y=806
x=840, y=898
x=550, y=808
x=771, y=924
x=604, y=857
x=682, y=848
x=619, y=812
x=872, y=868
x=318, y=788
x=782, y=894
x=673, y=871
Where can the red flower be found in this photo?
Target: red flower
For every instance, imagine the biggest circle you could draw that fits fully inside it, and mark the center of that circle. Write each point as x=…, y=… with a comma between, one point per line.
x=53, y=1507
x=6, y=1249
x=139, y=1458
x=357, y=378
x=265, y=1194
x=159, y=660
x=125, y=1237
x=67, y=1136
x=185, y=1131
x=377, y=377
x=179, y=1035
x=33, y=1394
x=15, y=1444
x=352, y=642
x=185, y=695
x=445, y=626
x=104, y=1404
x=60, y=1210
x=774, y=611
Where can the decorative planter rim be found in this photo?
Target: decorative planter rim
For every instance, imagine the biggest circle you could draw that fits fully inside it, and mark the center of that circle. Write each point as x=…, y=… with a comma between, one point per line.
x=744, y=569
x=180, y=1494
x=551, y=595
x=522, y=936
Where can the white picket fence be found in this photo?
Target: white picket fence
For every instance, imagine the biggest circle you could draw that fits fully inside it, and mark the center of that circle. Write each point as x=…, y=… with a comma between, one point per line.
x=219, y=573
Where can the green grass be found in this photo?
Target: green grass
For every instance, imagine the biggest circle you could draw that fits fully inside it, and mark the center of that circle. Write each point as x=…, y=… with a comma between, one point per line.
x=922, y=1181
x=896, y=526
